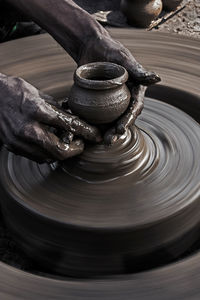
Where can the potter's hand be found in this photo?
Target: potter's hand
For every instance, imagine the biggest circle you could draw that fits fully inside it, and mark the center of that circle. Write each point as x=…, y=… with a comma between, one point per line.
x=104, y=48
x=82, y=36
x=129, y=117
x=27, y=118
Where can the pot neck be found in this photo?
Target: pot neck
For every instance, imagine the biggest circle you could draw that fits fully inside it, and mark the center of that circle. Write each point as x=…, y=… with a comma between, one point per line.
x=100, y=76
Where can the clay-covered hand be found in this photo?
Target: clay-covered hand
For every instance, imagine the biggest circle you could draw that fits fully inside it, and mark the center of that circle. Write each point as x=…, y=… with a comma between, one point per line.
x=129, y=117
x=106, y=49
x=28, y=119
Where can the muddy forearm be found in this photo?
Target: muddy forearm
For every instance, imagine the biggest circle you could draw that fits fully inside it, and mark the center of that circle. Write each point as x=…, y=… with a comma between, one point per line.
x=70, y=25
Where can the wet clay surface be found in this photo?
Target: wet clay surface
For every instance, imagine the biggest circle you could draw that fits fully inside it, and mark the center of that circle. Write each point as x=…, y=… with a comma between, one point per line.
x=99, y=94
x=147, y=285
x=159, y=198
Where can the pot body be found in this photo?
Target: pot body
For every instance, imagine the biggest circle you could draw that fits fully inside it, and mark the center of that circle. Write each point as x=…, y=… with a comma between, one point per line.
x=171, y=4
x=99, y=106
x=99, y=94
x=141, y=12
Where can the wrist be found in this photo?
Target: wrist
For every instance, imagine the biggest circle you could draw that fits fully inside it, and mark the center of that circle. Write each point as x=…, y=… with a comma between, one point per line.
x=71, y=26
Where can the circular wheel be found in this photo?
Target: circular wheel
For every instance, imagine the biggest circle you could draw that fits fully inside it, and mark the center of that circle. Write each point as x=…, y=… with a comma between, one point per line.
x=164, y=54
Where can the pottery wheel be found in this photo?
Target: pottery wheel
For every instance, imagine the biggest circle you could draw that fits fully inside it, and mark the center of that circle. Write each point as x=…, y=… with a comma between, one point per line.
x=131, y=217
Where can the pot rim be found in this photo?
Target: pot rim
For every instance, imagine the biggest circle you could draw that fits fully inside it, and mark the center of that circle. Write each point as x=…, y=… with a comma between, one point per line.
x=92, y=69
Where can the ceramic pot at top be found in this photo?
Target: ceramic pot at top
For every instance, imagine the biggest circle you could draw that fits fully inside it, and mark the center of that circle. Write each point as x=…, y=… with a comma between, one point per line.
x=99, y=94
x=141, y=12
x=171, y=4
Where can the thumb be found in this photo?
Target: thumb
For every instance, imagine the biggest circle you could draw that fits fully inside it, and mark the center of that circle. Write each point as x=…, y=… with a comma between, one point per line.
x=141, y=76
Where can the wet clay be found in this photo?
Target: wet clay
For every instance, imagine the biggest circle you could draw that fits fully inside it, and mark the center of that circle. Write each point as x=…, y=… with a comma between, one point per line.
x=170, y=282
x=133, y=152
x=141, y=12
x=118, y=215
x=99, y=94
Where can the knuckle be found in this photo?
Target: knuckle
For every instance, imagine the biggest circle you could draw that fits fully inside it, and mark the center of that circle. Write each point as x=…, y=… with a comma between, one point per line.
x=16, y=79
x=34, y=107
x=19, y=82
x=37, y=105
x=75, y=124
x=28, y=132
x=125, y=53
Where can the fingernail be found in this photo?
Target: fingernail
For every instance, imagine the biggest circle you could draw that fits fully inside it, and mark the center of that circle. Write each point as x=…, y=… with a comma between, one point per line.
x=63, y=146
x=157, y=78
x=114, y=139
x=149, y=78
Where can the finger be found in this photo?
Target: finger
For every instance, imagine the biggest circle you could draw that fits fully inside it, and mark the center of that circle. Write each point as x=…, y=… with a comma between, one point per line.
x=50, y=115
x=139, y=75
x=110, y=136
x=134, y=110
x=74, y=148
x=47, y=141
x=67, y=137
x=81, y=128
x=126, y=121
x=138, y=91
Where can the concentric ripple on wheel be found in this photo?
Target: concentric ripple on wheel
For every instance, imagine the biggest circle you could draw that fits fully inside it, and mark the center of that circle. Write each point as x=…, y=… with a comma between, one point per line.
x=81, y=224
x=177, y=62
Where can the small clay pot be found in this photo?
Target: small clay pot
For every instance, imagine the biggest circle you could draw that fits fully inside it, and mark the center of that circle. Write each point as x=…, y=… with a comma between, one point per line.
x=99, y=94
x=171, y=4
x=141, y=12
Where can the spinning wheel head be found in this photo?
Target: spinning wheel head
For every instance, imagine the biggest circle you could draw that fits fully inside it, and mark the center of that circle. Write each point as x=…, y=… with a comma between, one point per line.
x=129, y=218
x=48, y=214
